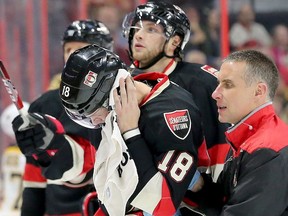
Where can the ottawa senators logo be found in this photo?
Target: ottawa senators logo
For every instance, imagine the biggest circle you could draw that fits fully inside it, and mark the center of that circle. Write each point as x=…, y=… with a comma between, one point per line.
x=179, y=123
x=90, y=78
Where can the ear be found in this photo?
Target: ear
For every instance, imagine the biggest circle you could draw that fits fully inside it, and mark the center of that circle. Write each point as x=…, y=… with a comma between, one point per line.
x=173, y=43
x=176, y=40
x=261, y=90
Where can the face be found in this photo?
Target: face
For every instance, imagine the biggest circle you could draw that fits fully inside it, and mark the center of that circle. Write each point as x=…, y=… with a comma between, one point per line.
x=70, y=47
x=235, y=99
x=148, y=41
x=213, y=19
x=99, y=116
x=281, y=35
x=246, y=14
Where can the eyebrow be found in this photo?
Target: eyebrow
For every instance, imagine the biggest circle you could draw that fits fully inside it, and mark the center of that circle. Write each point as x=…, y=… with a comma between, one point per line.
x=226, y=81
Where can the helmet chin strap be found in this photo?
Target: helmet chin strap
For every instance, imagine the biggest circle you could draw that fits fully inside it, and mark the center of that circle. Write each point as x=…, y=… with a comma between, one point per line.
x=153, y=61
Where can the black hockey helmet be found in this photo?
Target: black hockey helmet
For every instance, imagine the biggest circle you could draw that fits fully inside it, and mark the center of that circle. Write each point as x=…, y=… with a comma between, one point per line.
x=89, y=31
x=87, y=79
x=171, y=17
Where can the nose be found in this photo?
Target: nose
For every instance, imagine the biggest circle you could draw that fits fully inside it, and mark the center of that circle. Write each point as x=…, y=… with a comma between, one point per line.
x=139, y=33
x=216, y=95
x=97, y=120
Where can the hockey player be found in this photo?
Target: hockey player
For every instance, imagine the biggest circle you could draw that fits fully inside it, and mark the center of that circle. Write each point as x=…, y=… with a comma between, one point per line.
x=157, y=33
x=151, y=130
x=12, y=166
x=41, y=194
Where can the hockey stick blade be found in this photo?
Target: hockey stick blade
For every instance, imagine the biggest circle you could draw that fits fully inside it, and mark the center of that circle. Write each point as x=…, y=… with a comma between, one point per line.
x=13, y=93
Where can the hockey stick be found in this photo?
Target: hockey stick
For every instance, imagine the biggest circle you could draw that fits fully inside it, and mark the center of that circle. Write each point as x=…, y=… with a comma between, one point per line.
x=14, y=96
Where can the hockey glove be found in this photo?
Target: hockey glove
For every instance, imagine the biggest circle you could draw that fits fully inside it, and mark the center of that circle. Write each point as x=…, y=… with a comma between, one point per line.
x=38, y=138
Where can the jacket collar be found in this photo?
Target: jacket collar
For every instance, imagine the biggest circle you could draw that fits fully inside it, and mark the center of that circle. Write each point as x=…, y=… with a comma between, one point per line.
x=237, y=134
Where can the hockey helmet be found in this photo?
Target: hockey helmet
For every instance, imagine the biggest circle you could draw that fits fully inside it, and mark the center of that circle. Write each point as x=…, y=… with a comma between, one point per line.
x=86, y=81
x=171, y=17
x=89, y=31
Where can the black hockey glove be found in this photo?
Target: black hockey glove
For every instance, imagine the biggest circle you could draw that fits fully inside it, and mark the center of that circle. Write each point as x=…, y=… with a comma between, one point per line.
x=39, y=137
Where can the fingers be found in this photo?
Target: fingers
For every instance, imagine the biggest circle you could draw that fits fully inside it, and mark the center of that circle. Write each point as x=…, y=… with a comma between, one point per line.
x=126, y=105
x=131, y=90
x=116, y=100
x=198, y=185
x=123, y=93
x=128, y=92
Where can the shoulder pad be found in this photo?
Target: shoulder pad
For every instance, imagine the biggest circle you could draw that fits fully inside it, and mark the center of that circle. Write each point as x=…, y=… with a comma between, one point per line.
x=210, y=70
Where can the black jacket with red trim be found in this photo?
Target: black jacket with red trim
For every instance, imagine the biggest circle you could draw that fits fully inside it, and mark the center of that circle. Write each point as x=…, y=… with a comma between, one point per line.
x=255, y=178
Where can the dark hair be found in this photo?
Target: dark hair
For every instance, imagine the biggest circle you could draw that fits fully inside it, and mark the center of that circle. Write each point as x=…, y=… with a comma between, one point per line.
x=259, y=68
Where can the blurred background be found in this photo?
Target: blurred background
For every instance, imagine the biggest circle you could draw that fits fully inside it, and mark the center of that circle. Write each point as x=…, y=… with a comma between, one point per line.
x=31, y=32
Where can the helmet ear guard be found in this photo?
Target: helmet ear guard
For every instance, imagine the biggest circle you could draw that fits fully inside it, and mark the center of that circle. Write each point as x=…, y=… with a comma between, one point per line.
x=87, y=79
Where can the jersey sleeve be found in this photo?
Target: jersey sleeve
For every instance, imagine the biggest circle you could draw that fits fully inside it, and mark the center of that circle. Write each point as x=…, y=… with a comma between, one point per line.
x=75, y=157
x=74, y=154
x=64, y=181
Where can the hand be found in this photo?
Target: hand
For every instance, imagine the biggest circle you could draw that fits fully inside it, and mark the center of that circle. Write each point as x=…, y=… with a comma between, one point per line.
x=198, y=185
x=37, y=137
x=126, y=105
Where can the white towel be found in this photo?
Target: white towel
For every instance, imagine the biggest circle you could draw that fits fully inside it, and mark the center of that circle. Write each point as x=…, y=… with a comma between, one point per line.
x=114, y=191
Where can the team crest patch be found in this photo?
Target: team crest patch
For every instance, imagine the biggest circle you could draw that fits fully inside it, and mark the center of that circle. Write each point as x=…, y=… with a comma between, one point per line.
x=179, y=123
x=90, y=78
x=210, y=70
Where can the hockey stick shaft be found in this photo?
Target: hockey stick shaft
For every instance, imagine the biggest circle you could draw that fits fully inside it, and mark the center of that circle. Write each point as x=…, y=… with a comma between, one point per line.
x=13, y=93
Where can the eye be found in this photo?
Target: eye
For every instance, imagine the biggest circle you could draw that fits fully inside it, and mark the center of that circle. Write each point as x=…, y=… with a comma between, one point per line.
x=228, y=85
x=152, y=30
x=135, y=28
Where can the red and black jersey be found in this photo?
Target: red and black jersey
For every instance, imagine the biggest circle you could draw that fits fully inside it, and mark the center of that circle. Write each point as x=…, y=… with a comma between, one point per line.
x=42, y=194
x=200, y=81
x=165, y=153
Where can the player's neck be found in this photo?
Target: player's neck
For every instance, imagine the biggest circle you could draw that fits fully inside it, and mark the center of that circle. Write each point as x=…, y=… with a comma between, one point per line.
x=159, y=66
x=142, y=90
